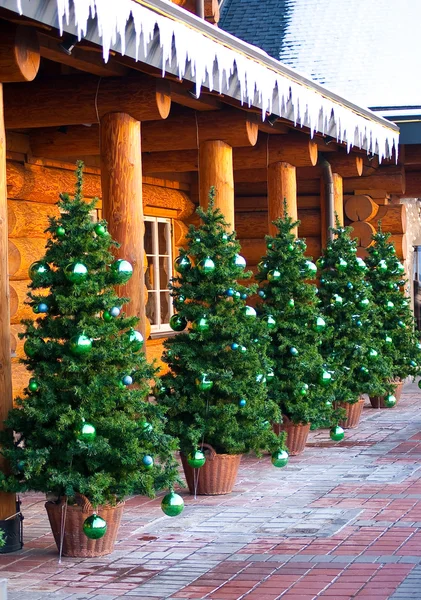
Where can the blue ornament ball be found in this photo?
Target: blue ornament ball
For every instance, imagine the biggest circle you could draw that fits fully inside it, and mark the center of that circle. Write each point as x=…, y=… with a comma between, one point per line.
x=127, y=380
x=115, y=311
x=242, y=403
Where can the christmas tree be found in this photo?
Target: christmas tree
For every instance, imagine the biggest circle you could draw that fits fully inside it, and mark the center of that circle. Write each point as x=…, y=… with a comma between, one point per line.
x=85, y=425
x=352, y=351
x=216, y=389
x=301, y=385
x=397, y=331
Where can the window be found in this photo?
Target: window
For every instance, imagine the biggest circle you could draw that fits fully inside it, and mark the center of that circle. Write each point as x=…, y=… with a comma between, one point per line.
x=158, y=248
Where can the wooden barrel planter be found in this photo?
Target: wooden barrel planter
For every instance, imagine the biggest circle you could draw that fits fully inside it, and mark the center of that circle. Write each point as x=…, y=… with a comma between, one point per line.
x=297, y=434
x=353, y=413
x=378, y=401
x=217, y=476
x=75, y=542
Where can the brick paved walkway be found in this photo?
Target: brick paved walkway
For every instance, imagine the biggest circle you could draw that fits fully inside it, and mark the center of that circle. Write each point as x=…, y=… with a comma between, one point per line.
x=342, y=521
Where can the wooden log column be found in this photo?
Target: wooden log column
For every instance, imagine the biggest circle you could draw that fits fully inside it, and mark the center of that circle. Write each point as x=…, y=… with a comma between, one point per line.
x=7, y=501
x=121, y=178
x=216, y=169
x=282, y=185
x=338, y=198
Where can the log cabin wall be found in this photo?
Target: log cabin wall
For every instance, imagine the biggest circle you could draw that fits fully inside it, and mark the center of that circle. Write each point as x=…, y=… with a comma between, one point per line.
x=33, y=189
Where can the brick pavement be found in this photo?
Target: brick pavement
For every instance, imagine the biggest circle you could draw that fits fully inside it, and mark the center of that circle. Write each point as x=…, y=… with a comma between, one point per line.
x=342, y=521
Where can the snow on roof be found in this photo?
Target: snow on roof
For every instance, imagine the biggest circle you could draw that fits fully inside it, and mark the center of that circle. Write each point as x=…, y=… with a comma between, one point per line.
x=161, y=34
x=367, y=50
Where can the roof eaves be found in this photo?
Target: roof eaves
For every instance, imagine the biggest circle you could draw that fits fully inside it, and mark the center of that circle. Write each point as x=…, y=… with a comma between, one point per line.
x=163, y=35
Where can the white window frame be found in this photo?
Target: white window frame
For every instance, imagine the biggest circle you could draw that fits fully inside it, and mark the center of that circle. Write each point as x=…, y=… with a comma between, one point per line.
x=159, y=327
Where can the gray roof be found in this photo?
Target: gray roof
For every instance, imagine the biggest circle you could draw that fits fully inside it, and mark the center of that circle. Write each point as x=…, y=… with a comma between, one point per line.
x=366, y=50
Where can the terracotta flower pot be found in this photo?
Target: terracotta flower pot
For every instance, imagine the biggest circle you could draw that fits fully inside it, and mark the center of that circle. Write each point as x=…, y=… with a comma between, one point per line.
x=353, y=413
x=75, y=542
x=216, y=477
x=297, y=434
x=378, y=401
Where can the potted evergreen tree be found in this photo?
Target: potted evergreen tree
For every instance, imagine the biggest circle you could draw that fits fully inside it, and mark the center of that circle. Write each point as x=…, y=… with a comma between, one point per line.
x=289, y=303
x=352, y=349
x=396, y=323
x=85, y=433
x=215, y=392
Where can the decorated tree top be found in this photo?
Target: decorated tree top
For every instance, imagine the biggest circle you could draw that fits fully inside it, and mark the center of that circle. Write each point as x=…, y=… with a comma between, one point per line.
x=290, y=305
x=85, y=425
x=351, y=348
x=387, y=277
x=216, y=392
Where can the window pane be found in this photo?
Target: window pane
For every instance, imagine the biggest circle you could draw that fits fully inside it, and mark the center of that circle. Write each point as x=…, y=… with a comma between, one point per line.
x=148, y=237
x=151, y=308
x=164, y=275
x=165, y=307
x=163, y=238
x=149, y=275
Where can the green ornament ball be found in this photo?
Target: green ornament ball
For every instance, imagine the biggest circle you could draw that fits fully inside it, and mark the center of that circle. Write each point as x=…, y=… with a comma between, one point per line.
x=94, y=527
x=60, y=232
x=100, y=230
x=303, y=390
x=325, y=377
x=337, y=434
x=201, y=325
x=270, y=376
x=32, y=347
x=106, y=315
x=80, y=345
x=147, y=462
x=413, y=364
x=240, y=261
x=38, y=268
x=361, y=264
x=291, y=303
x=364, y=303
x=196, y=459
x=389, y=305
x=291, y=247
x=390, y=401
x=182, y=264
x=178, y=323
x=206, y=266
x=33, y=385
x=87, y=432
x=146, y=427
x=364, y=371
x=172, y=504
x=76, y=272
x=203, y=383
x=418, y=346
x=136, y=340
x=388, y=339
x=341, y=265
x=122, y=270
x=270, y=322
x=319, y=325
x=401, y=324
x=320, y=263
x=280, y=458
x=382, y=266
x=249, y=311
x=274, y=275
x=311, y=268
x=373, y=354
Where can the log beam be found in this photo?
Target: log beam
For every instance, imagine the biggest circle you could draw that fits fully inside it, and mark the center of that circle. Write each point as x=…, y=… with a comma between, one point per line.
x=295, y=148
x=282, y=187
x=391, y=179
x=360, y=208
x=19, y=53
x=76, y=99
x=216, y=169
x=7, y=501
x=121, y=176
